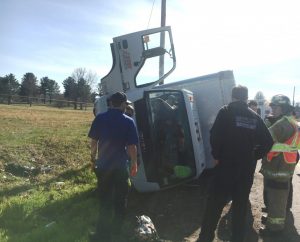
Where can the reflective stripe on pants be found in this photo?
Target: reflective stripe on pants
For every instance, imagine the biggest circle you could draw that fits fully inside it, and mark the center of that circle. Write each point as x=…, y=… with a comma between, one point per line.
x=276, y=221
x=277, y=201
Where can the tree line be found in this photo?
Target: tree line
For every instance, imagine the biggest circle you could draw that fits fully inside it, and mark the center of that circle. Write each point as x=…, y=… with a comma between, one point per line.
x=77, y=88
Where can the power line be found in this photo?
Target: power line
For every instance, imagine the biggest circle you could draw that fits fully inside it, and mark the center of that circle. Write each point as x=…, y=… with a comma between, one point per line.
x=150, y=14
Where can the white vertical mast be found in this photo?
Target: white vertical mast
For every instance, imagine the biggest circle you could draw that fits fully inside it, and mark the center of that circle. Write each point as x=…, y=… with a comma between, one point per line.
x=162, y=40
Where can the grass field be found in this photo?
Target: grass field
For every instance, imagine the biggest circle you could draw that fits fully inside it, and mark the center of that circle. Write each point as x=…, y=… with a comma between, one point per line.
x=47, y=186
x=45, y=181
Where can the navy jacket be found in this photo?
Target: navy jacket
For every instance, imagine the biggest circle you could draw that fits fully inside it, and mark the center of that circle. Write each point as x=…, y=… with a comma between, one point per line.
x=239, y=135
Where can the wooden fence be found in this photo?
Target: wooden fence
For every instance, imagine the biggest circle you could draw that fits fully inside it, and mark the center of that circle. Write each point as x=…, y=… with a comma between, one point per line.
x=41, y=101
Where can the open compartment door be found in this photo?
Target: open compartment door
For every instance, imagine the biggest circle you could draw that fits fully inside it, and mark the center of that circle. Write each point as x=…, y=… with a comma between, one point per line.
x=136, y=60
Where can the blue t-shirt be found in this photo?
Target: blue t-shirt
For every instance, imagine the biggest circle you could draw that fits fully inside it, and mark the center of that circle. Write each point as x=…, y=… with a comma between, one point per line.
x=114, y=131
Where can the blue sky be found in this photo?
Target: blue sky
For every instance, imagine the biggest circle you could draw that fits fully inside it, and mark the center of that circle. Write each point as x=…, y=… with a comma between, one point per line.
x=258, y=40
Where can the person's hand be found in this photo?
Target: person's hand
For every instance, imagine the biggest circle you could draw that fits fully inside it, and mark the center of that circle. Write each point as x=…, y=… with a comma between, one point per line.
x=216, y=162
x=133, y=169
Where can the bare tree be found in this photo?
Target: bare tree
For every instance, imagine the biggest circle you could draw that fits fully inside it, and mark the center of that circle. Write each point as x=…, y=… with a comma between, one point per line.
x=79, y=73
x=78, y=87
x=91, y=79
x=89, y=76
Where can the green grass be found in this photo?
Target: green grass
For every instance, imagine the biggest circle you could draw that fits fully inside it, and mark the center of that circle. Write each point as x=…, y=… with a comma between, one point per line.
x=46, y=206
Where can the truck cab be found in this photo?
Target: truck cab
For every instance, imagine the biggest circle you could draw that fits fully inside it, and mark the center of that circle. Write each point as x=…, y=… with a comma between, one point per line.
x=171, y=146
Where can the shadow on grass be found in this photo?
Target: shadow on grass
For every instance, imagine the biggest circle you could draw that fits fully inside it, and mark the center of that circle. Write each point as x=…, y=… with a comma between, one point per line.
x=67, y=219
x=176, y=213
x=68, y=174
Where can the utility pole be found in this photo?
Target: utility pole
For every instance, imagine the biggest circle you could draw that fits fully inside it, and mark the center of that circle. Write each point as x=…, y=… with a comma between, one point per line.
x=162, y=40
x=294, y=97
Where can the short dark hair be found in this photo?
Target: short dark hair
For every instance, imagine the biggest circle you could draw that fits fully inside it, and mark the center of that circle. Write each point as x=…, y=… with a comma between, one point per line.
x=240, y=93
x=118, y=98
x=252, y=103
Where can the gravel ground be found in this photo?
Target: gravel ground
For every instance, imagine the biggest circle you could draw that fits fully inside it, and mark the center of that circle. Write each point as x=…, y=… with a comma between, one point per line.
x=177, y=213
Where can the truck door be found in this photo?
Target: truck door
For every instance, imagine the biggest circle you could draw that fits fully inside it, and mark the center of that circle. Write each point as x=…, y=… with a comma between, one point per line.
x=136, y=61
x=171, y=138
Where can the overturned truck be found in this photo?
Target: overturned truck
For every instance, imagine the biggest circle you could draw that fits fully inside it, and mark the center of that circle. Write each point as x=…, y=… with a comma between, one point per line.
x=173, y=119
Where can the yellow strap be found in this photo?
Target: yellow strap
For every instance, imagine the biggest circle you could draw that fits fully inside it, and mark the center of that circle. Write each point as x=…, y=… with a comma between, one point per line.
x=280, y=147
x=282, y=174
x=293, y=147
x=278, y=221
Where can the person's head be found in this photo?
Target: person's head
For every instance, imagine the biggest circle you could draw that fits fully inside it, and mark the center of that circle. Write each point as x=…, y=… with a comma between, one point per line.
x=108, y=102
x=119, y=100
x=280, y=105
x=129, y=111
x=253, y=105
x=239, y=93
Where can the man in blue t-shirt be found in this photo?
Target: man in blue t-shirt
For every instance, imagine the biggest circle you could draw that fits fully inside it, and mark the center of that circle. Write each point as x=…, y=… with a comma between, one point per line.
x=113, y=134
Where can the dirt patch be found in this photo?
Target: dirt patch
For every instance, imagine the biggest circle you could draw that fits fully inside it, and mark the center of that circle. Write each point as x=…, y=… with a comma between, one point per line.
x=177, y=213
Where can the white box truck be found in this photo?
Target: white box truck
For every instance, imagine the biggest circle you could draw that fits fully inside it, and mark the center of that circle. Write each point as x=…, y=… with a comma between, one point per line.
x=173, y=119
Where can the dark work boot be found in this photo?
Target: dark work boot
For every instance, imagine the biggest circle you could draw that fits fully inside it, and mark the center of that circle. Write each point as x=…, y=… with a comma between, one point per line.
x=203, y=239
x=264, y=209
x=264, y=219
x=269, y=233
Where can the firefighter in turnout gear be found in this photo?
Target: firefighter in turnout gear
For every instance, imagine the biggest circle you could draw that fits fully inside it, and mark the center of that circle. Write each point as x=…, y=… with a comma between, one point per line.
x=279, y=164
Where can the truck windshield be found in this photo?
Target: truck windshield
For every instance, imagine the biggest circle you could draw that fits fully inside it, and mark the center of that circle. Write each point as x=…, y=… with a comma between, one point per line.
x=167, y=149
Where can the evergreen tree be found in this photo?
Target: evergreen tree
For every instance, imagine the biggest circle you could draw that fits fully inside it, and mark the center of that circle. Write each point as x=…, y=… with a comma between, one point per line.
x=9, y=86
x=70, y=92
x=49, y=88
x=29, y=85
